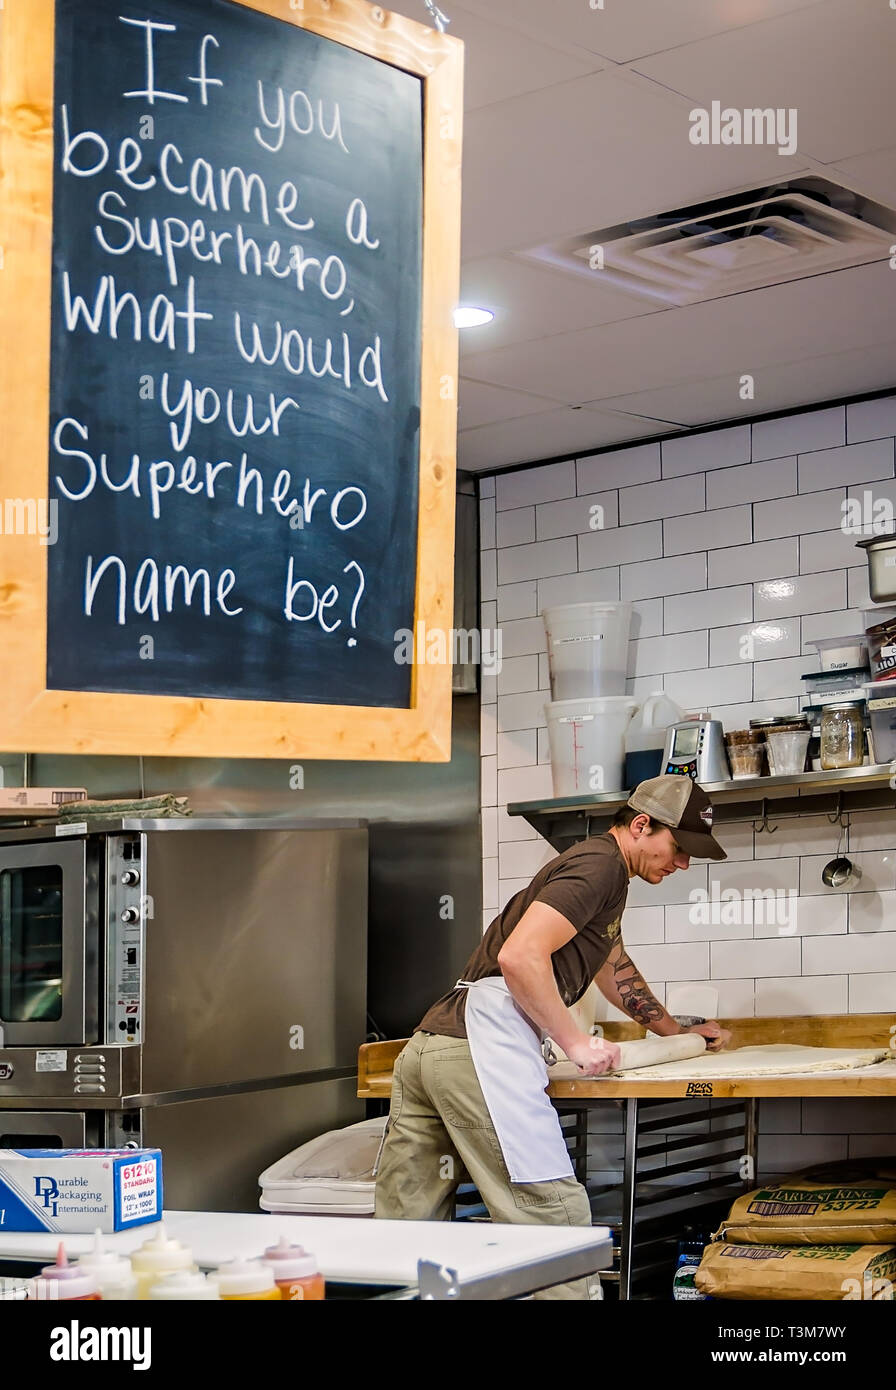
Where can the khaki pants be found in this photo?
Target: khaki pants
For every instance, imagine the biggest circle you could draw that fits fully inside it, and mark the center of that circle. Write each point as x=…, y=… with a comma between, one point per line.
x=440, y=1132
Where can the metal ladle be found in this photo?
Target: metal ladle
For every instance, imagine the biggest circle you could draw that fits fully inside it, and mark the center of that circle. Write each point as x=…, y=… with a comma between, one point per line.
x=840, y=871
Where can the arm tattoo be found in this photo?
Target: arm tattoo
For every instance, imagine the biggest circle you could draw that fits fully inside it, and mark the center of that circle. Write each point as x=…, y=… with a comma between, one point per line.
x=634, y=994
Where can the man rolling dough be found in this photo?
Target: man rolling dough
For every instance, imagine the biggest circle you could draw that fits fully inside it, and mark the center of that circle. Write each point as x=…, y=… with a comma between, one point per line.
x=468, y=1089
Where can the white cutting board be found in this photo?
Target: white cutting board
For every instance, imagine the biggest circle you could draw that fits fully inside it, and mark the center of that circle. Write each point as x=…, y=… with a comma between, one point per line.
x=350, y=1248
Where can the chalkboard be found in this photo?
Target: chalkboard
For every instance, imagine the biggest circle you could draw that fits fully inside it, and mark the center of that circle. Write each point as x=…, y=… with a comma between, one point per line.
x=230, y=251
x=235, y=358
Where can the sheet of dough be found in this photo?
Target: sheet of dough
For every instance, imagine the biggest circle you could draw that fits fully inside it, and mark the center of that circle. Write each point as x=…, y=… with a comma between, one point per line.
x=771, y=1059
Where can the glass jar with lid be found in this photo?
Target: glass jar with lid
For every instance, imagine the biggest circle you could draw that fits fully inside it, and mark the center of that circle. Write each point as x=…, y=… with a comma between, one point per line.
x=843, y=735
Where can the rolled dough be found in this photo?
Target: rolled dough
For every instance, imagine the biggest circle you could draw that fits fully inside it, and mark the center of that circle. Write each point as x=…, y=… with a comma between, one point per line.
x=642, y=1053
x=652, y=1052
x=771, y=1059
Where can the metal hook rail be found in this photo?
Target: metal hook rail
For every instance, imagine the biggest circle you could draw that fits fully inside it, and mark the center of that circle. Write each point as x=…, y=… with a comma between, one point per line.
x=763, y=824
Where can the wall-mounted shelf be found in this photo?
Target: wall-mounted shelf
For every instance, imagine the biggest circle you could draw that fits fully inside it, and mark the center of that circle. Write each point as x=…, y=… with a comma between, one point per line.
x=566, y=819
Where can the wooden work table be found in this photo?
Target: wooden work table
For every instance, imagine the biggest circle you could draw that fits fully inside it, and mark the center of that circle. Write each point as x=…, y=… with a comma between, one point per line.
x=706, y=1144
x=375, y=1062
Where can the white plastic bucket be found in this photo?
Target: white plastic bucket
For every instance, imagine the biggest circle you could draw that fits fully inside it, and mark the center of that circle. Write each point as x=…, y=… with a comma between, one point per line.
x=587, y=739
x=587, y=649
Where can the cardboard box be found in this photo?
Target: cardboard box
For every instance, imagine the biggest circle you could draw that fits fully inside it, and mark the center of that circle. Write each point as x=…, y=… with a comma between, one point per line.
x=39, y=798
x=73, y=1190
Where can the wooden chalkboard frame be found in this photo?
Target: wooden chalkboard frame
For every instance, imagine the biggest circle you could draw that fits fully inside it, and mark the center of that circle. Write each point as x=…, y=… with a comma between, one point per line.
x=35, y=719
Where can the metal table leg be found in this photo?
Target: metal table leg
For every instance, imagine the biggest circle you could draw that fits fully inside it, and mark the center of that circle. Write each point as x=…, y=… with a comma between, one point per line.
x=751, y=1141
x=629, y=1179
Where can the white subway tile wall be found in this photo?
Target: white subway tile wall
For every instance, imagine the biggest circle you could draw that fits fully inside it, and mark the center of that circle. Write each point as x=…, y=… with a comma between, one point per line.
x=575, y=515
x=729, y=544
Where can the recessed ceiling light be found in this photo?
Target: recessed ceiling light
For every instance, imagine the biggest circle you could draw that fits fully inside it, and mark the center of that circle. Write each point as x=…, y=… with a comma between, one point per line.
x=466, y=316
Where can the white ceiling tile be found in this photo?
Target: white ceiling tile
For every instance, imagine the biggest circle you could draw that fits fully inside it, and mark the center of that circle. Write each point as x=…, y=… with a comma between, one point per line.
x=873, y=174
x=588, y=154
x=559, y=142
x=481, y=404
x=739, y=334
x=832, y=61
x=529, y=303
x=624, y=31
x=501, y=61
x=803, y=382
x=549, y=435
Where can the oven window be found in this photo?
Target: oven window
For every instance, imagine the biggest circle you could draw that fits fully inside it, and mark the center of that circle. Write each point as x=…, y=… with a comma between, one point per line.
x=31, y=944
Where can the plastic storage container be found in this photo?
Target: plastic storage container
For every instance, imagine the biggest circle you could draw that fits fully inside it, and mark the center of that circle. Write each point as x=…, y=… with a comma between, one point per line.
x=587, y=649
x=645, y=737
x=882, y=716
x=813, y=752
x=331, y=1175
x=780, y=723
x=787, y=749
x=823, y=687
x=880, y=552
x=745, y=759
x=587, y=739
x=841, y=653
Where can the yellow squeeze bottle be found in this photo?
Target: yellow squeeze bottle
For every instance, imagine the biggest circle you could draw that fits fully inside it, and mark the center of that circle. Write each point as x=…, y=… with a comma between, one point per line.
x=244, y=1280
x=159, y=1255
x=184, y=1287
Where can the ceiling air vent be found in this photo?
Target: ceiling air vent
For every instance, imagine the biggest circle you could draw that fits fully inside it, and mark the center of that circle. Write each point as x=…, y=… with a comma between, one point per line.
x=744, y=241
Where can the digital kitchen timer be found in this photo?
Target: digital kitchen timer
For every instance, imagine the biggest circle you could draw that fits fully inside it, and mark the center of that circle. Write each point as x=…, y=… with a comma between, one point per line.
x=696, y=749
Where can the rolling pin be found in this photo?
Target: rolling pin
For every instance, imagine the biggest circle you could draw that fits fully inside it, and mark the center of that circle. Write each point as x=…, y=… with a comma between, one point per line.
x=650, y=1052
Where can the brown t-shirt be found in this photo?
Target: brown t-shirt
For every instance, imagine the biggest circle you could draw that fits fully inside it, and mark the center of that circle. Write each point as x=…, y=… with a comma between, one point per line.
x=588, y=884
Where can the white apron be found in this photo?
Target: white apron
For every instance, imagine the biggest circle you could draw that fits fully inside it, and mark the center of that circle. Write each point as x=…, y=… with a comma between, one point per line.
x=507, y=1057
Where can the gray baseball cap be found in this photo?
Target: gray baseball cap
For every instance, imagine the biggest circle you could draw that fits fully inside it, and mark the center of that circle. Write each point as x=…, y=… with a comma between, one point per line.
x=684, y=807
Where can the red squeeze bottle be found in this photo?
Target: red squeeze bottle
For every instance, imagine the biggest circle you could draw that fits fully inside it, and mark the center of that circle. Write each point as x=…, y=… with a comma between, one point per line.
x=63, y=1281
x=296, y=1272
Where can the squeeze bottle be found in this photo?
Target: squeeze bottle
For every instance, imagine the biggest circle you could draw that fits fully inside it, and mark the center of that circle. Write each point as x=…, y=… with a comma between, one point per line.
x=184, y=1287
x=159, y=1255
x=63, y=1281
x=244, y=1280
x=113, y=1274
x=296, y=1271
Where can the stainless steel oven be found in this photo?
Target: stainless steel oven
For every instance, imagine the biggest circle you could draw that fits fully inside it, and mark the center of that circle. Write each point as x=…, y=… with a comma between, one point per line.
x=181, y=980
x=49, y=943
x=51, y=1129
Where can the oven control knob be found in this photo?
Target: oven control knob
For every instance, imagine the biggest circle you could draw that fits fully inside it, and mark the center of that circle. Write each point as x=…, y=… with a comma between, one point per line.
x=131, y=914
x=130, y=877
